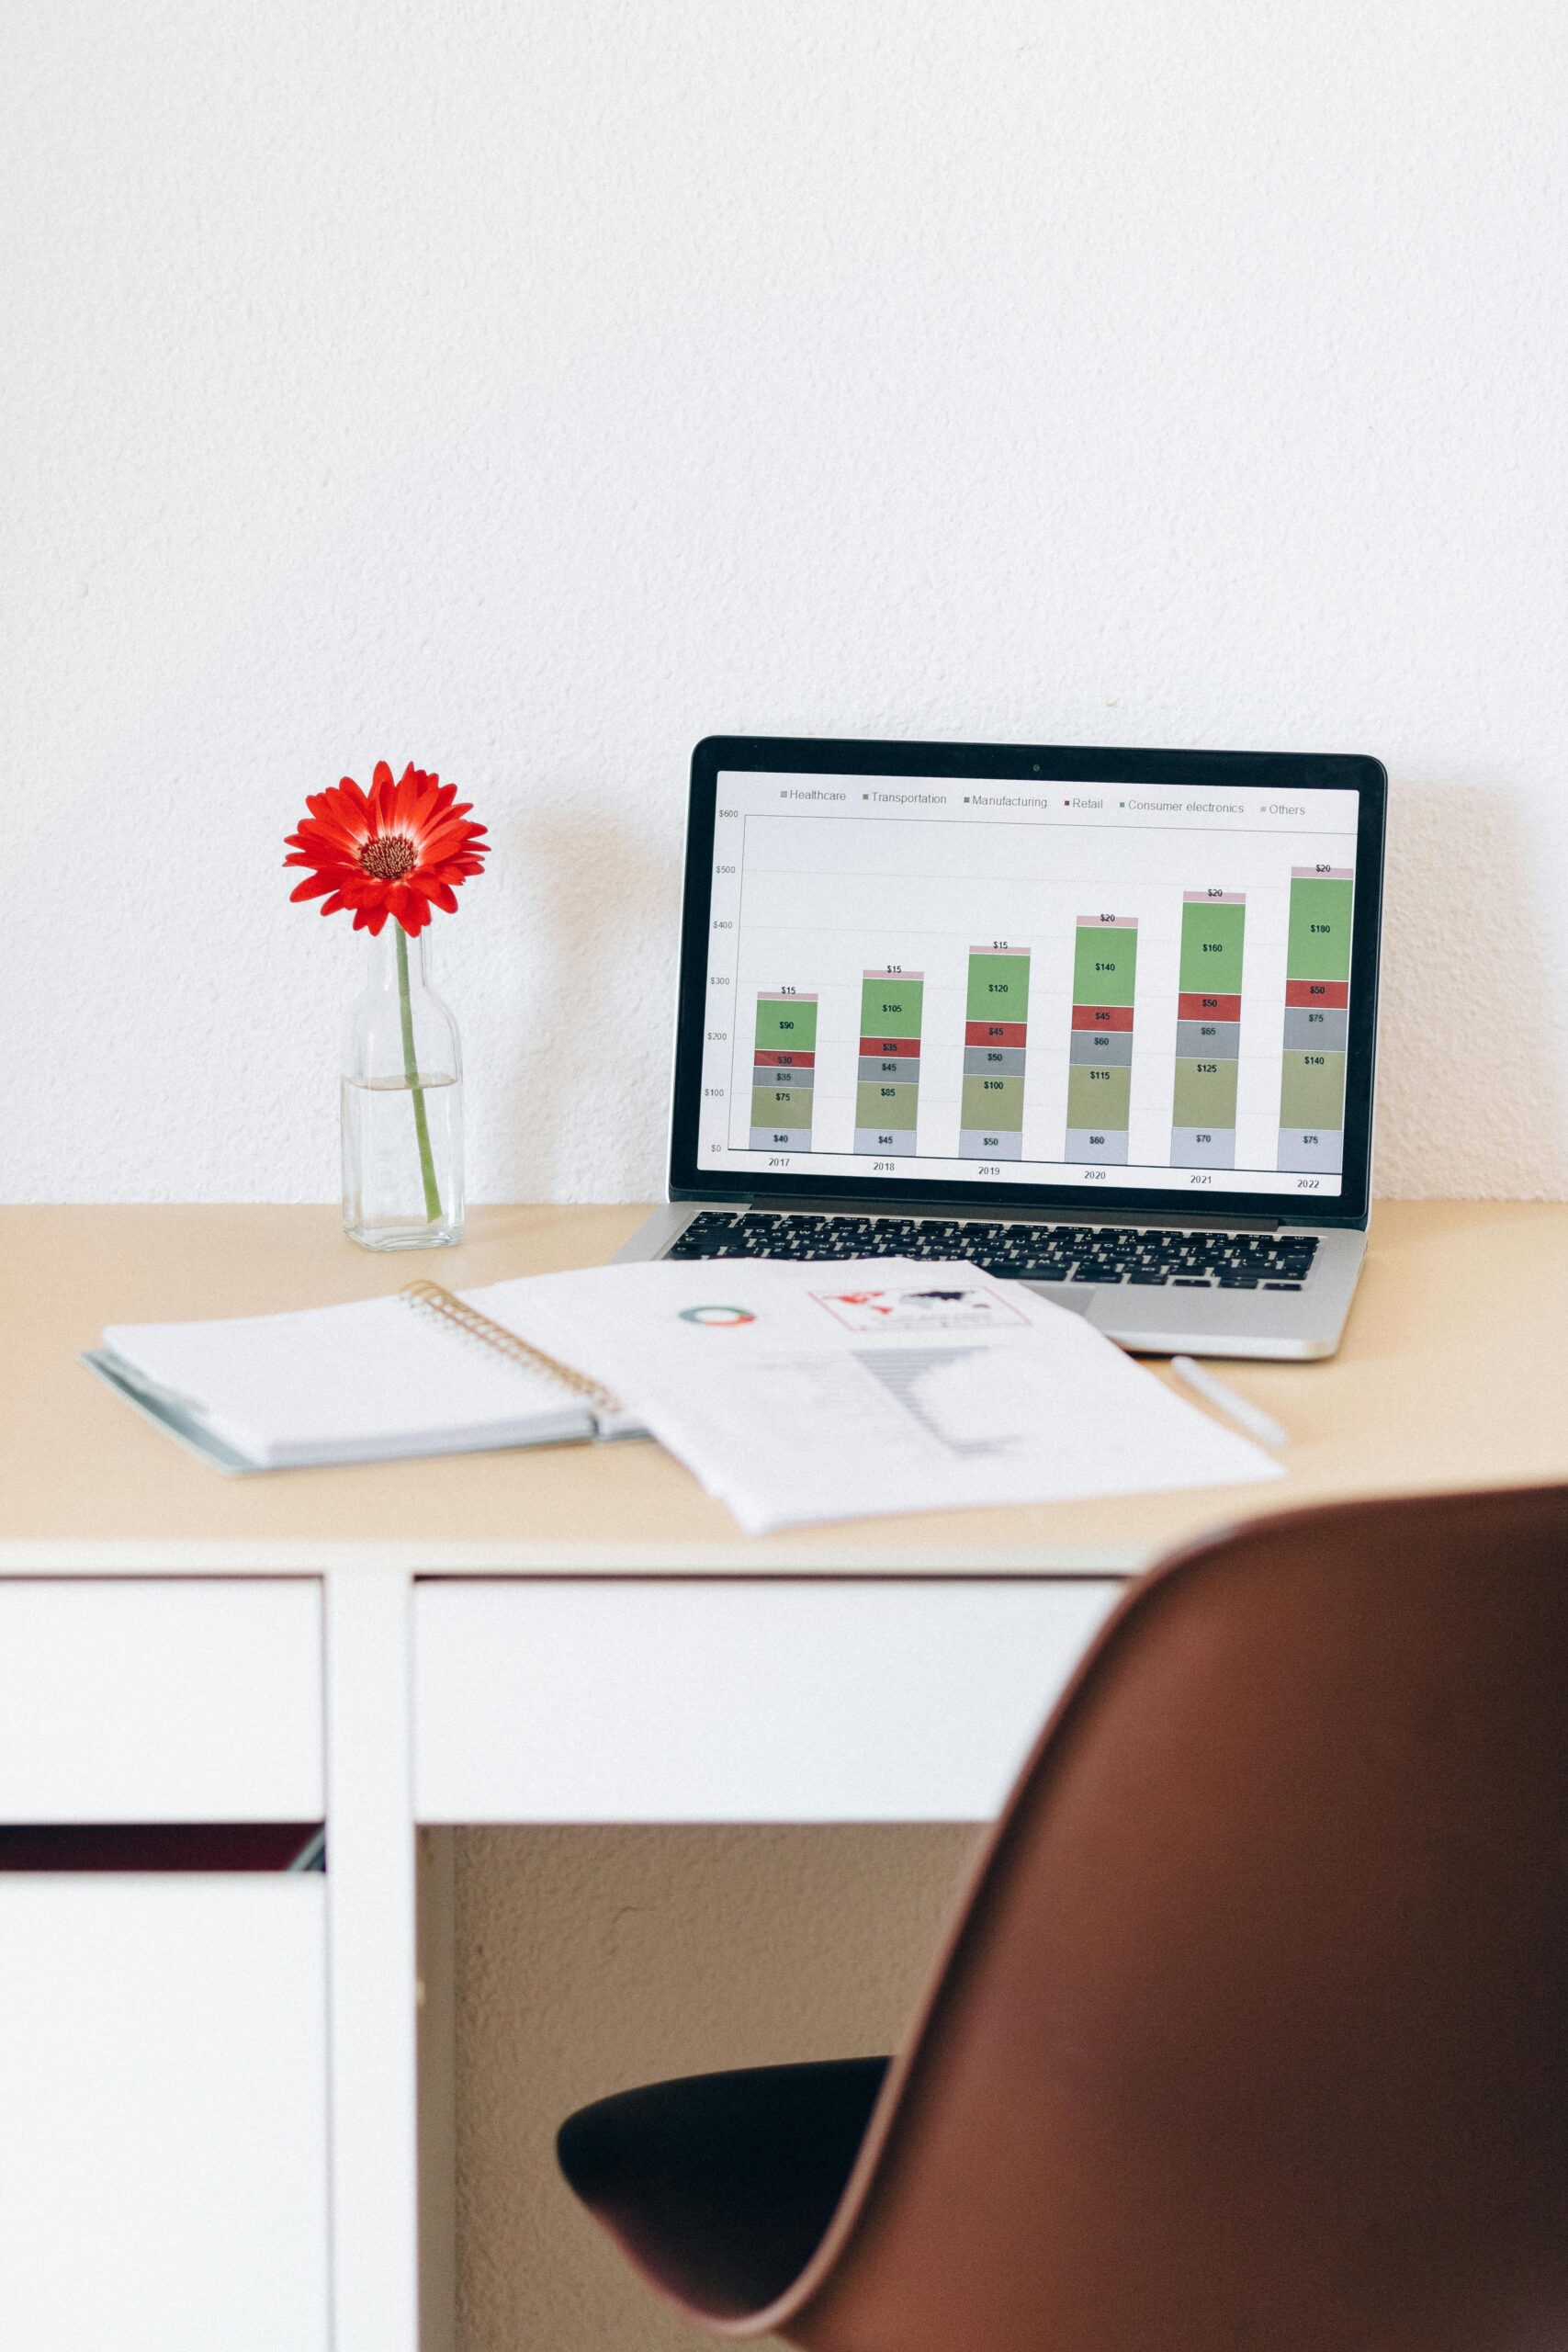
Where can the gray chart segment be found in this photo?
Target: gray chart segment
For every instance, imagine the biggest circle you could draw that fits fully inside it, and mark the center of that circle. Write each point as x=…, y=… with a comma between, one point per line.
x=1317, y=1033
x=1308, y=1150
x=781, y=1139
x=995, y=1061
x=1106, y=1049
x=781, y=1079
x=875, y=1139
x=1202, y=1147
x=1107, y=1148
x=903, y=1371
x=892, y=1071
x=1207, y=1041
x=973, y=1143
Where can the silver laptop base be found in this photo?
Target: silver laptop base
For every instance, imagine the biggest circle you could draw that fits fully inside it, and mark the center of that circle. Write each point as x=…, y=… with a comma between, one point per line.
x=1286, y=1326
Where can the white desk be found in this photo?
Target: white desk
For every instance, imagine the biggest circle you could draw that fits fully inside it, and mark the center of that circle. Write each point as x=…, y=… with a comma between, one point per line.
x=575, y=1635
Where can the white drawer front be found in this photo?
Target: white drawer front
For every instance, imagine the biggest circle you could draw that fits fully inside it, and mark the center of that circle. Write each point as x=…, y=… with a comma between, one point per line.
x=163, y=2083
x=177, y=1701
x=755, y=1702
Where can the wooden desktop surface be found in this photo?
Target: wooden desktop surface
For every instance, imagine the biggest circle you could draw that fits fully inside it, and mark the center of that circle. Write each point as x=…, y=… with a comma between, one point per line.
x=1454, y=1372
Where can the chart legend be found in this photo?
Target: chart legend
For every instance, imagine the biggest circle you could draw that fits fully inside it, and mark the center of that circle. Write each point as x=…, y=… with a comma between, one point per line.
x=1100, y=1074
x=1207, y=1029
x=887, y=1089
x=1318, y=1000
x=783, y=1071
x=996, y=1047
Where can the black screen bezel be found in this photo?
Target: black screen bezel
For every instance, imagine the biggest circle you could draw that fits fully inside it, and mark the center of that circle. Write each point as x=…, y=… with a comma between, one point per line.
x=1023, y=763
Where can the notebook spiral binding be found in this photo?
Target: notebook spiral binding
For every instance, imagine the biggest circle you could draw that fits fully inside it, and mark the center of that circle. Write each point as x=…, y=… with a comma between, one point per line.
x=429, y=1298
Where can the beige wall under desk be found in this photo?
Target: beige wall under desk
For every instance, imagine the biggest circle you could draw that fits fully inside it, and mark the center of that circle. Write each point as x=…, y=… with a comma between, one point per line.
x=588, y=1960
x=1451, y=1374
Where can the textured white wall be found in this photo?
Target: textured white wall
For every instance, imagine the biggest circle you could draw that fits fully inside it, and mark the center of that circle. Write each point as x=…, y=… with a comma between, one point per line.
x=529, y=390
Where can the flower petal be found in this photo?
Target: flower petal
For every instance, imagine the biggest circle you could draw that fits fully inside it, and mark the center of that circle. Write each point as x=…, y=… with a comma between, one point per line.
x=417, y=810
x=403, y=801
x=381, y=799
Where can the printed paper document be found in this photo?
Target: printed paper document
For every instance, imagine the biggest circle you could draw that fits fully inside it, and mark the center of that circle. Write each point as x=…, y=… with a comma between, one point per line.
x=798, y=1393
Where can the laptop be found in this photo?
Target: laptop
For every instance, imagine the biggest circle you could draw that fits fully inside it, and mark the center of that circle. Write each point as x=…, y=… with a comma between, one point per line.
x=1101, y=1022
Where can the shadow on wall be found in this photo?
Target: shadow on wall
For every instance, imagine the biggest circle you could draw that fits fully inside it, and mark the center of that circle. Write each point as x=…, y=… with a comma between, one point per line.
x=1469, y=1089
x=591, y=1090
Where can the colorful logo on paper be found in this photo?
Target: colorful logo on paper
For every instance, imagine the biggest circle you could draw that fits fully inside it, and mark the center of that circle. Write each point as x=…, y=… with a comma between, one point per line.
x=926, y=1310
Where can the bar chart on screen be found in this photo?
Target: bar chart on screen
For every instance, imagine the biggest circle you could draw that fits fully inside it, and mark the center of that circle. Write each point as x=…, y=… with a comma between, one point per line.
x=1317, y=1001
x=1207, y=1029
x=1050, y=986
x=1100, y=1077
x=995, y=1049
x=887, y=1086
x=783, y=1071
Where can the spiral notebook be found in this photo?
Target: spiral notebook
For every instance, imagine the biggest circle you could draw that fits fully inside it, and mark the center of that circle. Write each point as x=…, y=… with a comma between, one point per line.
x=421, y=1371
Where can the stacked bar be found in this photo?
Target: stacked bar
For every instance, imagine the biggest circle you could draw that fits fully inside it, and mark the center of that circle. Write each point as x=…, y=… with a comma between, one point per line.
x=1207, y=1029
x=1100, y=1074
x=783, y=1071
x=996, y=1042
x=888, y=1093
x=1317, y=1001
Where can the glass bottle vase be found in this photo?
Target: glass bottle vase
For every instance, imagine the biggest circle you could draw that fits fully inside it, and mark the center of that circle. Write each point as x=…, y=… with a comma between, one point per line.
x=401, y=1105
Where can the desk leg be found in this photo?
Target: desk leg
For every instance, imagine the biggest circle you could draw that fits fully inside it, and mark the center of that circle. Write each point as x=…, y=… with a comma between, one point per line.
x=373, y=2117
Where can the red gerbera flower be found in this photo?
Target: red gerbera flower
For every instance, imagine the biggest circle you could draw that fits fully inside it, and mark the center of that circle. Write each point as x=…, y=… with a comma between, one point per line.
x=397, y=850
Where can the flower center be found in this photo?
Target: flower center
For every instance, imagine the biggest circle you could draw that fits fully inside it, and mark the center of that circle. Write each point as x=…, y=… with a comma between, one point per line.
x=389, y=857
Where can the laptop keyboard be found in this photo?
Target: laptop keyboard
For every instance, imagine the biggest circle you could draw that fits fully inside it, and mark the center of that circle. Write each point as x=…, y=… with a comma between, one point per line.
x=1040, y=1253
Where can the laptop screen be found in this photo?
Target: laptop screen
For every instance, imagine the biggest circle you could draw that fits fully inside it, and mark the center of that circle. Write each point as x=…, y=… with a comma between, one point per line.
x=924, y=980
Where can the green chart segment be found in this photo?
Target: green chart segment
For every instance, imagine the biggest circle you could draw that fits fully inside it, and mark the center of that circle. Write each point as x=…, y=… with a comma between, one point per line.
x=783, y=1071
x=1207, y=1029
x=996, y=1052
x=1100, y=1071
x=1317, y=1017
x=887, y=1088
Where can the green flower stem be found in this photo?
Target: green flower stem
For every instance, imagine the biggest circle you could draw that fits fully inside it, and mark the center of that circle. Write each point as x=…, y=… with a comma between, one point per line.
x=410, y=1072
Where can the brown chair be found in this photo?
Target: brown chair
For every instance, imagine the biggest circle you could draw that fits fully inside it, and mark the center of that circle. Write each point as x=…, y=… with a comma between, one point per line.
x=1252, y=2030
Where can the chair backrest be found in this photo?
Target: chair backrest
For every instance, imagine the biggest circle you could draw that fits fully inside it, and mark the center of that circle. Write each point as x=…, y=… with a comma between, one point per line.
x=1253, y=2030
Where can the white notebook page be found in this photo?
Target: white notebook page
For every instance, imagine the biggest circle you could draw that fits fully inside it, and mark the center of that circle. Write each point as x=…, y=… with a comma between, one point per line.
x=376, y=1377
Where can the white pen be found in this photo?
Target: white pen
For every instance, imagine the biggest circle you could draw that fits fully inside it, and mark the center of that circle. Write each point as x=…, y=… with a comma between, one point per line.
x=1246, y=1417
